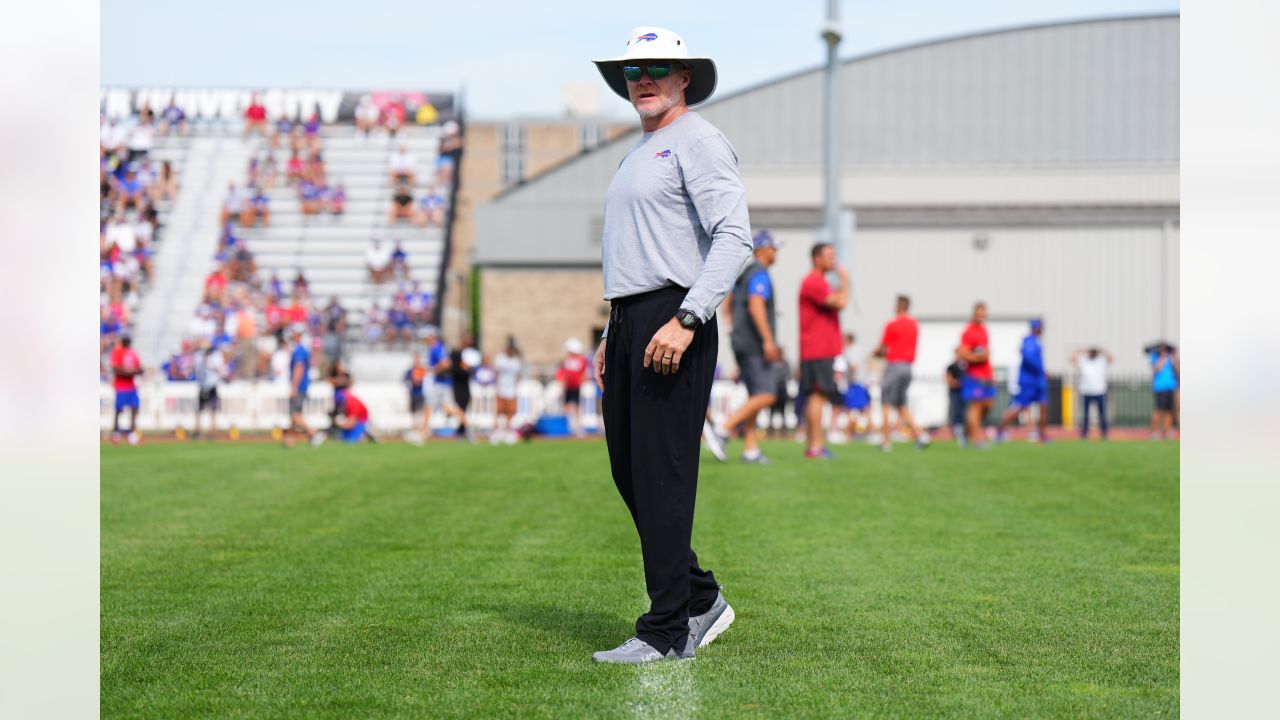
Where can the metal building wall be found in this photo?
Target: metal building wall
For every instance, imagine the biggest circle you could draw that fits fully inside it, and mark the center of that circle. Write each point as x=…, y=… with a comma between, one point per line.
x=1111, y=286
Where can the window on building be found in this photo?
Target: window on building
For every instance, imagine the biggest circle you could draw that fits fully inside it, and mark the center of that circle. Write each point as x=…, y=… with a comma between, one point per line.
x=512, y=168
x=513, y=137
x=589, y=136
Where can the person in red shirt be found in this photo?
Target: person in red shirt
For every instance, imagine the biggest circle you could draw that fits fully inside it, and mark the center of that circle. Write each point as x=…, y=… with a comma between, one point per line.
x=255, y=117
x=898, y=348
x=215, y=285
x=978, y=386
x=354, y=419
x=125, y=367
x=571, y=374
x=820, y=342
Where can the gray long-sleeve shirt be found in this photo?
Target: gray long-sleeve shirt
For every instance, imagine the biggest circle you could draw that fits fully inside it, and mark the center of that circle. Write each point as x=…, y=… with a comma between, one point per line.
x=676, y=214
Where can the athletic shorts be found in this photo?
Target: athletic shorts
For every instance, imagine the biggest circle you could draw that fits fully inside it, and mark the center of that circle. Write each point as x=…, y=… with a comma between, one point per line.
x=208, y=398
x=894, y=384
x=975, y=390
x=296, y=402
x=1164, y=400
x=439, y=395
x=573, y=396
x=759, y=375
x=462, y=394
x=416, y=402
x=355, y=434
x=129, y=398
x=820, y=376
x=857, y=397
x=1030, y=395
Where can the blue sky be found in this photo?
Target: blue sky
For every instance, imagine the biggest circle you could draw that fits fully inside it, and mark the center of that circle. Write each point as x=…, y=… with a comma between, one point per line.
x=513, y=58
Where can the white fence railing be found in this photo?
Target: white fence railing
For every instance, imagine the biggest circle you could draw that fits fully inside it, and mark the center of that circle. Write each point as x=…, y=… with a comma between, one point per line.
x=253, y=406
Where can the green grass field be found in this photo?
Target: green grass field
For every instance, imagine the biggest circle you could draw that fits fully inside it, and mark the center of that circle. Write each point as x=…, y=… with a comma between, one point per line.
x=245, y=581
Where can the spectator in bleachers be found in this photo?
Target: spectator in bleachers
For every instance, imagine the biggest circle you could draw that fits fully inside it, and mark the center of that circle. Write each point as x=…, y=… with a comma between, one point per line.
x=419, y=305
x=431, y=208
x=167, y=182
x=399, y=262
x=367, y=116
x=232, y=204
x=377, y=258
x=275, y=288
x=301, y=287
x=144, y=232
x=399, y=325
x=283, y=129
x=311, y=129
x=393, y=118
x=131, y=191
x=243, y=266
x=141, y=140
x=255, y=208
x=112, y=137
x=294, y=168
x=146, y=176
x=374, y=323
x=402, y=166
x=314, y=170
x=215, y=285
x=309, y=196
x=173, y=117
x=109, y=329
x=401, y=205
x=255, y=117
x=267, y=172
x=297, y=143
x=298, y=313
x=335, y=201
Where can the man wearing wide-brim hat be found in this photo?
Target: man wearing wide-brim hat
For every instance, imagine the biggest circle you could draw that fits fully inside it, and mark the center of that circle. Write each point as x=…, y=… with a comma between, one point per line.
x=676, y=236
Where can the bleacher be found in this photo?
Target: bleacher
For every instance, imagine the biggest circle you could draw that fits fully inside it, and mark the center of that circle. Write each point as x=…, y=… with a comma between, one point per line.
x=328, y=249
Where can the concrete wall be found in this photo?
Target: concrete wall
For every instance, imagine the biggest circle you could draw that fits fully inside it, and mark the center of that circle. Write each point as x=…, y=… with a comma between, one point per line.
x=542, y=308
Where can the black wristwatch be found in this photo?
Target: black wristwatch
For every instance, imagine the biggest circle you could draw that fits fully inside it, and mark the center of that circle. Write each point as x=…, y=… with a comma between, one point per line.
x=688, y=319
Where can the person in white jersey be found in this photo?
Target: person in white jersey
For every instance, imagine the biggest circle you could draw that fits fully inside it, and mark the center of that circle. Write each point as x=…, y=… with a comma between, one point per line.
x=1092, y=386
x=509, y=364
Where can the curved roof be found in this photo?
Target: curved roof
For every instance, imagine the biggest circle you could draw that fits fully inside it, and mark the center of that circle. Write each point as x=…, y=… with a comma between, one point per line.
x=1098, y=93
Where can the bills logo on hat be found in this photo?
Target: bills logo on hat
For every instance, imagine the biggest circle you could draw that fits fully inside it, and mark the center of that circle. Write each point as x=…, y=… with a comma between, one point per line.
x=662, y=154
x=647, y=37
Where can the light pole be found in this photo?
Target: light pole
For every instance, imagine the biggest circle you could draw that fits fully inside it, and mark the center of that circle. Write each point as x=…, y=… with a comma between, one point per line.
x=830, y=137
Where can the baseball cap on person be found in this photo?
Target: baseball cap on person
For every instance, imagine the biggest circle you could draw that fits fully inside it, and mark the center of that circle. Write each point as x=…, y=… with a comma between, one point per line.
x=1036, y=323
x=764, y=239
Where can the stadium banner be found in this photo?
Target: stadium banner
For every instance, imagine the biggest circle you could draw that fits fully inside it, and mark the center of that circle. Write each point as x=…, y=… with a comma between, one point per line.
x=334, y=105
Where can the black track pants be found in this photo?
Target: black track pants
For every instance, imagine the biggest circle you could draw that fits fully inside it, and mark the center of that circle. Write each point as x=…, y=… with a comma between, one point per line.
x=653, y=425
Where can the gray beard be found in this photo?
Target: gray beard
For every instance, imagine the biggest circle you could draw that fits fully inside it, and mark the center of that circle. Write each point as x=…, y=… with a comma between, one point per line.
x=667, y=104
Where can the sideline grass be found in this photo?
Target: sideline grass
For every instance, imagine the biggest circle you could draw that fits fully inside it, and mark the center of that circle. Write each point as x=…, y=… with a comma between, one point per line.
x=468, y=581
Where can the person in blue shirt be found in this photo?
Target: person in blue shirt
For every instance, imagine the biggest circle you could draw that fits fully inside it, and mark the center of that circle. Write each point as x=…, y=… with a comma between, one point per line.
x=299, y=383
x=440, y=390
x=1033, y=385
x=1164, y=383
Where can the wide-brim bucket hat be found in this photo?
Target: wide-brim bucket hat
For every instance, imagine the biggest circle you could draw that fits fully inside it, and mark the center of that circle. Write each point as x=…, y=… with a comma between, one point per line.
x=655, y=43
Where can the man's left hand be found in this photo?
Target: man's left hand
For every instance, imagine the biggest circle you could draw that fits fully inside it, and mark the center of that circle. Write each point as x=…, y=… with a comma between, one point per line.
x=667, y=347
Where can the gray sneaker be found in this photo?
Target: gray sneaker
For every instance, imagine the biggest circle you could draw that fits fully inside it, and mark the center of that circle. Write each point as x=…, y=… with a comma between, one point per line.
x=636, y=652
x=707, y=627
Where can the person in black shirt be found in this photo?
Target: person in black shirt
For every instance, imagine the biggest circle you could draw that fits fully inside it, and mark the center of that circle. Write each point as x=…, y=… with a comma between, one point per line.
x=956, y=405
x=462, y=361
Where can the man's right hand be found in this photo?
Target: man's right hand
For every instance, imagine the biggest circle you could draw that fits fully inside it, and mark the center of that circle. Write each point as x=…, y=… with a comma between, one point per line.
x=597, y=364
x=772, y=352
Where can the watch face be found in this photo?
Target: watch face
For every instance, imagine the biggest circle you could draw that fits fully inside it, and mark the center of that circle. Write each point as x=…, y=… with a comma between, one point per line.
x=688, y=319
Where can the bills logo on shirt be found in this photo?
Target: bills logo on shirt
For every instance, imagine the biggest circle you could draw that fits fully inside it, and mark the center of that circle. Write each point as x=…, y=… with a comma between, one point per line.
x=647, y=37
x=663, y=154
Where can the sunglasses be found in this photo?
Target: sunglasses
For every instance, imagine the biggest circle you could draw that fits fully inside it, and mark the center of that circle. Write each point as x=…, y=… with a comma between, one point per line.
x=657, y=71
